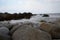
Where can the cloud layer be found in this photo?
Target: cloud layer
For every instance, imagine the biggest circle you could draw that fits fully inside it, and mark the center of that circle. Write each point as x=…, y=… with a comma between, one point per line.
x=34, y=6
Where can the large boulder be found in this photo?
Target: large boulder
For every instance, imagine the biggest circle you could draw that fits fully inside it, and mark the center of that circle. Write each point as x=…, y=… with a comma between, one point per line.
x=53, y=29
x=17, y=25
x=5, y=24
x=14, y=27
x=4, y=33
x=28, y=32
x=4, y=30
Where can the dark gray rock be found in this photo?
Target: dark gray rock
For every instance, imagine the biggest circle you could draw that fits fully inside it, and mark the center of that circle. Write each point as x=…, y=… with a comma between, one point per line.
x=4, y=33
x=56, y=39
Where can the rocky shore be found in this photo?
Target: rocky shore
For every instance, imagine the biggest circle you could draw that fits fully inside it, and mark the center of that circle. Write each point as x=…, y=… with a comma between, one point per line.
x=30, y=29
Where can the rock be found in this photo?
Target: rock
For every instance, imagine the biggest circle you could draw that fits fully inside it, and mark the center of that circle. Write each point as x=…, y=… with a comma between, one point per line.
x=4, y=37
x=4, y=30
x=31, y=24
x=45, y=26
x=57, y=22
x=53, y=29
x=4, y=33
x=5, y=24
x=56, y=39
x=15, y=26
x=27, y=32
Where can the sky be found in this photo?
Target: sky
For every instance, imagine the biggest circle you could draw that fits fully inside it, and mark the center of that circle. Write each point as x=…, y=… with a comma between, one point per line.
x=34, y=6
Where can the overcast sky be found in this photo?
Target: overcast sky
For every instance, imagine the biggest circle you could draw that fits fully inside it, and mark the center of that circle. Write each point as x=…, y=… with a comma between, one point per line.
x=34, y=6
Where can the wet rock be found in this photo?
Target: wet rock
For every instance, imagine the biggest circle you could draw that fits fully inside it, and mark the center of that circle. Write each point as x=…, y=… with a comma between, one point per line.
x=26, y=32
x=53, y=29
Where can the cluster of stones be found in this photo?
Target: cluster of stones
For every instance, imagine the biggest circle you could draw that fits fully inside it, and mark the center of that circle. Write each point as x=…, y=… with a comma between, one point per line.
x=30, y=31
